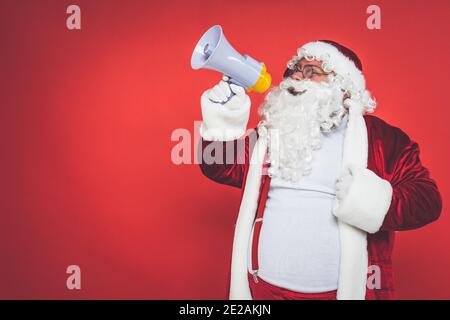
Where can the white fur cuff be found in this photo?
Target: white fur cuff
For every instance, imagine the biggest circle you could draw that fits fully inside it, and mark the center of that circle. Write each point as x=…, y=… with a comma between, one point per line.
x=367, y=201
x=222, y=122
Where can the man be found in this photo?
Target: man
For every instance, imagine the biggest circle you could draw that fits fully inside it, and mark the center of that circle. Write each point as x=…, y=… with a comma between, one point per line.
x=324, y=185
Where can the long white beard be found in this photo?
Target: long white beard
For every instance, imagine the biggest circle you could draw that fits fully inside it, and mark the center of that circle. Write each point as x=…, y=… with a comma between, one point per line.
x=296, y=124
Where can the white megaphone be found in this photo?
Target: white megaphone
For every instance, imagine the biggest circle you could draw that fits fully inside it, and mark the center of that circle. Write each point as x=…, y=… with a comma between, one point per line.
x=214, y=52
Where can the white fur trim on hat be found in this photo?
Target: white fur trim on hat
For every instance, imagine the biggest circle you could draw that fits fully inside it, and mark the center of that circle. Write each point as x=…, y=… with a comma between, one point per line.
x=333, y=60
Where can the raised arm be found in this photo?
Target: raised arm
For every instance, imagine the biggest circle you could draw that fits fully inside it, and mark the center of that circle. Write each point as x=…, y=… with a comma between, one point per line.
x=225, y=151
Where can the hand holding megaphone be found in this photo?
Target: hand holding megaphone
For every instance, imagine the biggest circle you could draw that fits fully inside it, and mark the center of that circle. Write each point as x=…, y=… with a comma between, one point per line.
x=225, y=92
x=225, y=111
x=214, y=52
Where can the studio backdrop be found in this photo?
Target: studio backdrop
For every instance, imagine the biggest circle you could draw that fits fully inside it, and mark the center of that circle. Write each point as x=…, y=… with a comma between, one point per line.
x=92, y=109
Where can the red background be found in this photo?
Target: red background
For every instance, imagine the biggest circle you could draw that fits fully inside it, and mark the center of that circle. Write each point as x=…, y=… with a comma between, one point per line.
x=86, y=119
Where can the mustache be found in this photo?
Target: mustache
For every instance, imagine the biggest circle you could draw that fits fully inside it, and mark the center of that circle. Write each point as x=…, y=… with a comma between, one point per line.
x=294, y=92
x=296, y=87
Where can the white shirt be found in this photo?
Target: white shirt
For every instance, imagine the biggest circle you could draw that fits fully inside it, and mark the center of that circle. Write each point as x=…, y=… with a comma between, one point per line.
x=299, y=245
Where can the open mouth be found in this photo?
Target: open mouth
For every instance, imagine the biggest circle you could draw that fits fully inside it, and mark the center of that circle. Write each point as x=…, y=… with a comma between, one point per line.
x=294, y=92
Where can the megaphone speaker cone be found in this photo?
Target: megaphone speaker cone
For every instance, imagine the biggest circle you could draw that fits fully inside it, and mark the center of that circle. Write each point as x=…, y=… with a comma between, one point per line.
x=205, y=47
x=214, y=52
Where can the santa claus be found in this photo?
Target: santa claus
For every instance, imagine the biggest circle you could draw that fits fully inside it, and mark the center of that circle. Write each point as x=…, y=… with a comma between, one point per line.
x=324, y=184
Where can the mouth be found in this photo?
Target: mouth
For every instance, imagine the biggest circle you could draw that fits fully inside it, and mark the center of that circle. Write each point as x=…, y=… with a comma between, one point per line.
x=294, y=92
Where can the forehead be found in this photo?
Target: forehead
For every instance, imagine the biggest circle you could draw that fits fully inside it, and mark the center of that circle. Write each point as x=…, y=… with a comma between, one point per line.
x=303, y=62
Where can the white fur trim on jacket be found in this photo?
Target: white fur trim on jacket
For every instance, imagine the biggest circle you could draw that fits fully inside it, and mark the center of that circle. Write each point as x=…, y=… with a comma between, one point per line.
x=221, y=122
x=239, y=286
x=367, y=201
x=354, y=257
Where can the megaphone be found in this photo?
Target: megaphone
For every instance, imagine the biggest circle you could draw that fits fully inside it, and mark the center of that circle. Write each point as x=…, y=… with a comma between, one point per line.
x=214, y=52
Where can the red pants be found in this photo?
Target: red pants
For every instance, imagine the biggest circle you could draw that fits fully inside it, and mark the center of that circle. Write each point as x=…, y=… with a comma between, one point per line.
x=266, y=291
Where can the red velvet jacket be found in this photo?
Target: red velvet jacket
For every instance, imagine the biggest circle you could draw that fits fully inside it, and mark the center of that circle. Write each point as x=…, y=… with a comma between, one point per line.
x=392, y=156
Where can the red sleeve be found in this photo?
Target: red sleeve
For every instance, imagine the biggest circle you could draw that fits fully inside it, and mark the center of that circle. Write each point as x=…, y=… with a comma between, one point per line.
x=415, y=199
x=227, y=162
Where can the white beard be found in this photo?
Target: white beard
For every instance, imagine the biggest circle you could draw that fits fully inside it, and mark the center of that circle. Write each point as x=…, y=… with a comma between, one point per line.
x=296, y=124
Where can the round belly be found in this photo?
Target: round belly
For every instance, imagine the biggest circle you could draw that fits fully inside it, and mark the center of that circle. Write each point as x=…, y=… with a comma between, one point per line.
x=299, y=241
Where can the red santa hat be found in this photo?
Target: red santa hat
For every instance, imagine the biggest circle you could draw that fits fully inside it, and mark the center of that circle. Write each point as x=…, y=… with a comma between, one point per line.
x=343, y=61
x=346, y=52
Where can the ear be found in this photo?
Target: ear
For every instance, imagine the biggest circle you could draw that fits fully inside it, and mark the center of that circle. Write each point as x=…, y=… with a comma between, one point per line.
x=287, y=73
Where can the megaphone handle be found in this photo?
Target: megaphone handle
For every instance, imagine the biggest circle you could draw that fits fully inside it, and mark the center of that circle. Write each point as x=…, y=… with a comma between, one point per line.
x=232, y=94
x=228, y=81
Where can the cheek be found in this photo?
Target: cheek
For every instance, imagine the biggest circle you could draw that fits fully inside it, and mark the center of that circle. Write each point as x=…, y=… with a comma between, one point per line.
x=319, y=78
